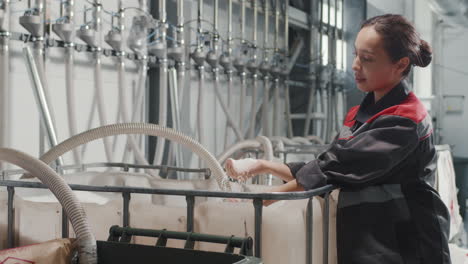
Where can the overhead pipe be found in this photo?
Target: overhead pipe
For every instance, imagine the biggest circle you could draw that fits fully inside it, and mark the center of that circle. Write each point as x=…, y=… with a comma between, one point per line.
x=265, y=69
x=177, y=53
x=92, y=36
x=137, y=42
x=212, y=57
x=239, y=63
x=160, y=50
x=177, y=80
x=115, y=39
x=315, y=55
x=32, y=21
x=65, y=29
x=41, y=99
x=276, y=72
x=199, y=57
x=226, y=63
x=331, y=74
x=173, y=91
x=252, y=66
x=5, y=97
x=319, y=77
x=337, y=75
x=286, y=73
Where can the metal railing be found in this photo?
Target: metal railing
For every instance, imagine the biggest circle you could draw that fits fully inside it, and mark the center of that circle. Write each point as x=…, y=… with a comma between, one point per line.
x=190, y=195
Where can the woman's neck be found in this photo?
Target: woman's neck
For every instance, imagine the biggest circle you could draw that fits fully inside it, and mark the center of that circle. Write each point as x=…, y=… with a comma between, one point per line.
x=380, y=93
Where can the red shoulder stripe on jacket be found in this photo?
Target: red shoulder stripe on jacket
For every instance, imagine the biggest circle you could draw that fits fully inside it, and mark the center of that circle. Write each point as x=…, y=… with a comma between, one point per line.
x=350, y=116
x=410, y=108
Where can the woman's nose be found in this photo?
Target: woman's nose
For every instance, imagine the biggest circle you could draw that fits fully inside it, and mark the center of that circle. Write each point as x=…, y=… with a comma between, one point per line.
x=356, y=64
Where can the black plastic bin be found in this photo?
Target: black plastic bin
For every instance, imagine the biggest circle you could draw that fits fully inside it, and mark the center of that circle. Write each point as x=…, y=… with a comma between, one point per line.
x=124, y=253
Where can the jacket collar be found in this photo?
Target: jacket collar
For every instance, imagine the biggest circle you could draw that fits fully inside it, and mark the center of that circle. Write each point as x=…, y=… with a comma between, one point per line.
x=394, y=97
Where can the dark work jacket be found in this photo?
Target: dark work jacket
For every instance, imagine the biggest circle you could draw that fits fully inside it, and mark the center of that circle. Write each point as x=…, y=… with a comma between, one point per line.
x=384, y=160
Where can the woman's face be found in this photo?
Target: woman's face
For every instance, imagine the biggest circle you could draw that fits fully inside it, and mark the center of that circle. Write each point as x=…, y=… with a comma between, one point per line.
x=372, y=66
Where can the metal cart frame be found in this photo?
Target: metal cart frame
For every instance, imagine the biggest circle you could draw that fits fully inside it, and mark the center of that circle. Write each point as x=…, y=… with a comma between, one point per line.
x=190, y=195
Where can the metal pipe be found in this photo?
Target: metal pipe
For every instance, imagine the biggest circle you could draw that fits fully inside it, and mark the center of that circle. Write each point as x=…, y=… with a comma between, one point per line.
x=243, y=79
x=318, y=75
x=41, y=98
x=309, y=230
x=266, y=25
x=102, y=113
x=228, y=67
x=126, y=196
x=174, y=95
x=5, y=97
x=265, y=114
x=11, y=217
x=162, y=120
x=276, y=91
x=331, y=68
x=255, y=24
x=253, y=107
x=314, y=59
x=67, y=12
x=229, y=51
x=225, y=108
x=265, y=68
x=190, y=212
x=215, y=16
x=242, y=26
x=253, y=69
x=201, y=97
x=65, y=224
x=276, y=108
x=286, y=81
x=180, y=64
x=241, y=67
x=258, y=207
x=326, y=218
x=199, y=22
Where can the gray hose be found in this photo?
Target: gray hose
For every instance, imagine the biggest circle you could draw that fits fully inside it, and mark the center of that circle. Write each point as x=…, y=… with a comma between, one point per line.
x=146, y=129
x=260, y=141
x=249, y=143
x=267, y=147
x=86, y=241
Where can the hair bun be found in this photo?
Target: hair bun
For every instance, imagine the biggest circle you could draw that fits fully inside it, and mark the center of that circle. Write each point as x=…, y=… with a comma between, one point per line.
x=425, y=54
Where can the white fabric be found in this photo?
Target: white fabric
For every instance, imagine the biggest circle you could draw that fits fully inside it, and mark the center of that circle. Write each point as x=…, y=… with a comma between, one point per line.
x=447, y=188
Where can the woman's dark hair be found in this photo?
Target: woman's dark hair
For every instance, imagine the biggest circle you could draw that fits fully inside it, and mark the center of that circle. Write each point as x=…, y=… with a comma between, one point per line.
x=401, y=40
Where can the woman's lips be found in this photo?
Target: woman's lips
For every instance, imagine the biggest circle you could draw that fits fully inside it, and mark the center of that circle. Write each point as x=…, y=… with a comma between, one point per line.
x=359, y=79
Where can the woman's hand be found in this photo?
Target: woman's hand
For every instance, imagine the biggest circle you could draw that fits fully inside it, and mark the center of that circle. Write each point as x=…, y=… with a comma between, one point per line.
x=291, y=186
x=243, y=169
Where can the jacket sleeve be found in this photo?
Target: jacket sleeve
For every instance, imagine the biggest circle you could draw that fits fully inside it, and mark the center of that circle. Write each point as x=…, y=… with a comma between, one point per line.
x=364, y=159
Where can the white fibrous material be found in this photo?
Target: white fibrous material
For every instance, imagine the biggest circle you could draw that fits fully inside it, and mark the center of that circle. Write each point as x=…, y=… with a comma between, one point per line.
x=242, y=168
x=243, y=165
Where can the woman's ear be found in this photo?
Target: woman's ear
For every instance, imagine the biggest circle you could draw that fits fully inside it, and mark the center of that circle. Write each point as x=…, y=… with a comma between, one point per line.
x=402, y=64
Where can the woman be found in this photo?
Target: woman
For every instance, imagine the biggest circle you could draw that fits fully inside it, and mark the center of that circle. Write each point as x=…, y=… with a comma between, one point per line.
x=383, y=159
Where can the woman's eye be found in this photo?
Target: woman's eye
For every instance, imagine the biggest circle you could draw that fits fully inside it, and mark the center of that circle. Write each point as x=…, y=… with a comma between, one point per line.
x=366, y=59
